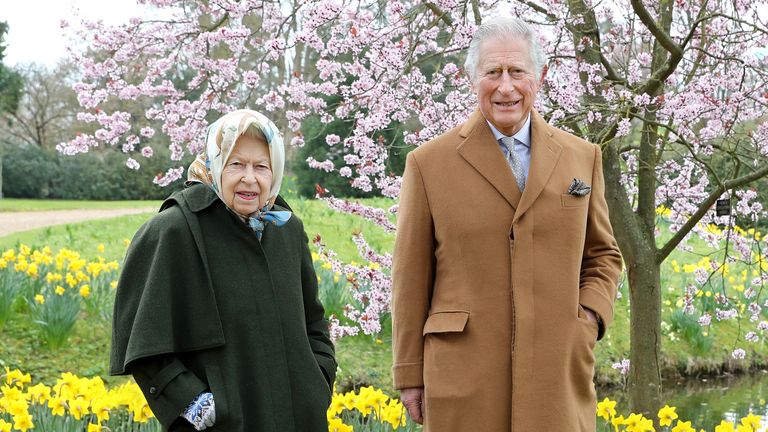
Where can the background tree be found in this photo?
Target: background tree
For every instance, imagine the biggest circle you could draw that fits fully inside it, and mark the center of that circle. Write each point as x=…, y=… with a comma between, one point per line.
x=10, y=81
x=674, y=92
x=46, y=113
x=10, y=86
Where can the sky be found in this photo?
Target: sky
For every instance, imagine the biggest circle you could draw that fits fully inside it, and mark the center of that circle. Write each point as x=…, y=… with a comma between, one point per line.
x=35, y=34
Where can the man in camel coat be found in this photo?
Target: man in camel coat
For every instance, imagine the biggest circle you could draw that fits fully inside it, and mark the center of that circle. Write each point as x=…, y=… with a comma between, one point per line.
x=505, y=266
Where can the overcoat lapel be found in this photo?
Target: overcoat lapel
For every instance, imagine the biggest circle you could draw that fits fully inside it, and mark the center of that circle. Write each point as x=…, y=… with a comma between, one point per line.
x=545, y=152
x=480, y=150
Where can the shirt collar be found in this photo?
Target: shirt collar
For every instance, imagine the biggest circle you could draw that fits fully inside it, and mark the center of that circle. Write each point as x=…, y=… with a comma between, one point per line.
x=523, y=135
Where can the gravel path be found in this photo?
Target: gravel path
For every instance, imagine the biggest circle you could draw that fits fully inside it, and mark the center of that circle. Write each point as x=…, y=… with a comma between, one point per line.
x=12, y=222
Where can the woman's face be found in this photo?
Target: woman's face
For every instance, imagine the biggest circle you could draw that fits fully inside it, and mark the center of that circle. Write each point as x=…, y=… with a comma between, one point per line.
x=247, y=176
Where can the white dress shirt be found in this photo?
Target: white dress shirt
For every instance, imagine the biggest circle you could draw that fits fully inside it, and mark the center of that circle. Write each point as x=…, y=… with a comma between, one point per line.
x=522, y=136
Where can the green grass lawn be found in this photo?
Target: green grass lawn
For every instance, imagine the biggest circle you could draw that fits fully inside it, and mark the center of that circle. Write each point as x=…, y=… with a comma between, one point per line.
x=687, y=348
x=335, y=228
x=19, y=205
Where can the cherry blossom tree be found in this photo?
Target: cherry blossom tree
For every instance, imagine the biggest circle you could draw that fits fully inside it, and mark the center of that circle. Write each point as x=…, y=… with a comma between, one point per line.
x=673, y=91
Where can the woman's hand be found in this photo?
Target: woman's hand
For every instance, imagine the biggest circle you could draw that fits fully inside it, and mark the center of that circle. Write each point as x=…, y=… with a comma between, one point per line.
x=413, y=401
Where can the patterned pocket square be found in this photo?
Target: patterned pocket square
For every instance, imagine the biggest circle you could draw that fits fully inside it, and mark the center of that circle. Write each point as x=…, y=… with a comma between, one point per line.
x=578, y=188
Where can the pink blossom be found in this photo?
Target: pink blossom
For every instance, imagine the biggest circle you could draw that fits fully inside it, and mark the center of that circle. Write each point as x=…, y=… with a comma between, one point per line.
x=326, y=165
x=147, y=152
x=624, y=127
x=705, y=320
x=723, y=315
x=332, y=139
x=169, y=177
x=622, y=366
x=375, y=215
x=132, y=164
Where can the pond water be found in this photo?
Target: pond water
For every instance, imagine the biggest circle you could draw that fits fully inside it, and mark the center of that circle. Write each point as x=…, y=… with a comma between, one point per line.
x=707, y=401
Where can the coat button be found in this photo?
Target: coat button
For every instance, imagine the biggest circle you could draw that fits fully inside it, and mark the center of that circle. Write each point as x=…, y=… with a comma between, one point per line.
x=153, y=390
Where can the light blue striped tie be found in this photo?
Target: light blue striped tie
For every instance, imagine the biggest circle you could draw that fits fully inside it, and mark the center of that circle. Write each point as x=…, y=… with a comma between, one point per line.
x=514, y=161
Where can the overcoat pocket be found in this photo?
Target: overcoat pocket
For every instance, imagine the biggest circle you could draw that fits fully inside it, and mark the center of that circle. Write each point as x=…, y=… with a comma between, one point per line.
x=213, y=375
x=569, y=200
x=446, y=322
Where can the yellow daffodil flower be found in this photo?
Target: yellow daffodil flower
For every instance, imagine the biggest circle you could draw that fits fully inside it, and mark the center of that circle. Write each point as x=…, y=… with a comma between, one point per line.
x=752, y=421
x=683, y=427
x=78, y=408
x=666, y=415
x=725, y=426
x=23, y=422
x=606, y=409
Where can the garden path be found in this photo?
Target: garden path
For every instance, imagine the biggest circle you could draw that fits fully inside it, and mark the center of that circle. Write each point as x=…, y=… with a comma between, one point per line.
x=12, y=222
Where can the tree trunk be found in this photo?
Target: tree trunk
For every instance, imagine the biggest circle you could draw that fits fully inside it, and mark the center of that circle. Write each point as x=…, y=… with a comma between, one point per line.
x=645, y=333
x=639, y=253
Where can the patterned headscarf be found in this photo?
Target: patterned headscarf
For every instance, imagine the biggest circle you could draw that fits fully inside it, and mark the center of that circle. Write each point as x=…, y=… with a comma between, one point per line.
x=222, y=136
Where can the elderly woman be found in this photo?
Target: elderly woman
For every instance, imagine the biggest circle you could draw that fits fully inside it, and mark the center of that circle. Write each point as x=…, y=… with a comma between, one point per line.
x=217, y=315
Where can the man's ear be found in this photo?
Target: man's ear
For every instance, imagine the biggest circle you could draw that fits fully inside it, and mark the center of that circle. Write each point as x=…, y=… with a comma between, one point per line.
x=543, y=75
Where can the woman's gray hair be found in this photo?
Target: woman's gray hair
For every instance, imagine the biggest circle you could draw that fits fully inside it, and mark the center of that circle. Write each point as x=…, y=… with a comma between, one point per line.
x=500, y=27
x=255, y=132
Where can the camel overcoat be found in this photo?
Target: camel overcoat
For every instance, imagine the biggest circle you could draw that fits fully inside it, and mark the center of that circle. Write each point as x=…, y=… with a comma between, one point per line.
x=489, y=284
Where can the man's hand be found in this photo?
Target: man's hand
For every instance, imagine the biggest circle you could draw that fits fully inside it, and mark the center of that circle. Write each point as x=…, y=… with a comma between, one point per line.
x=413, y=401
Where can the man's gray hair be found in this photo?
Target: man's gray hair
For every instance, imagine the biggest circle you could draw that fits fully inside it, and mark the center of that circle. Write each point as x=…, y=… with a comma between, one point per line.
x=504, y=27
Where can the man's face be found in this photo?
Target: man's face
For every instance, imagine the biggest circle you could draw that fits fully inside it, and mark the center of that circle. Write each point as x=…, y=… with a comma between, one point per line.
x=506, y=84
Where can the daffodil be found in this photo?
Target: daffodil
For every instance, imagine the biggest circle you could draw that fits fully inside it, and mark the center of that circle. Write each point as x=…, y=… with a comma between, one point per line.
x=725, y=426
x=336, y=425
x=606, y=409
x=616, y=422
x=23, y=422
x=666, y=415
x=78, y=408
x=683, y=427
x=57, y=405
x=39, y=393
x=632, y=421
x=752, y=421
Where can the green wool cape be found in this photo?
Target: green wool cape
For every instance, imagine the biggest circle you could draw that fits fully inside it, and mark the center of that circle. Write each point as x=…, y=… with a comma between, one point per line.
x=202, y=305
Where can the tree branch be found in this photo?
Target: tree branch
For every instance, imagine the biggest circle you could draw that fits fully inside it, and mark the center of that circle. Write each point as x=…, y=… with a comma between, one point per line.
x=664, y=39
x=538, y=8
x=704, y=208
x=610, y=72
x=476, y=12
x=439, y=13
